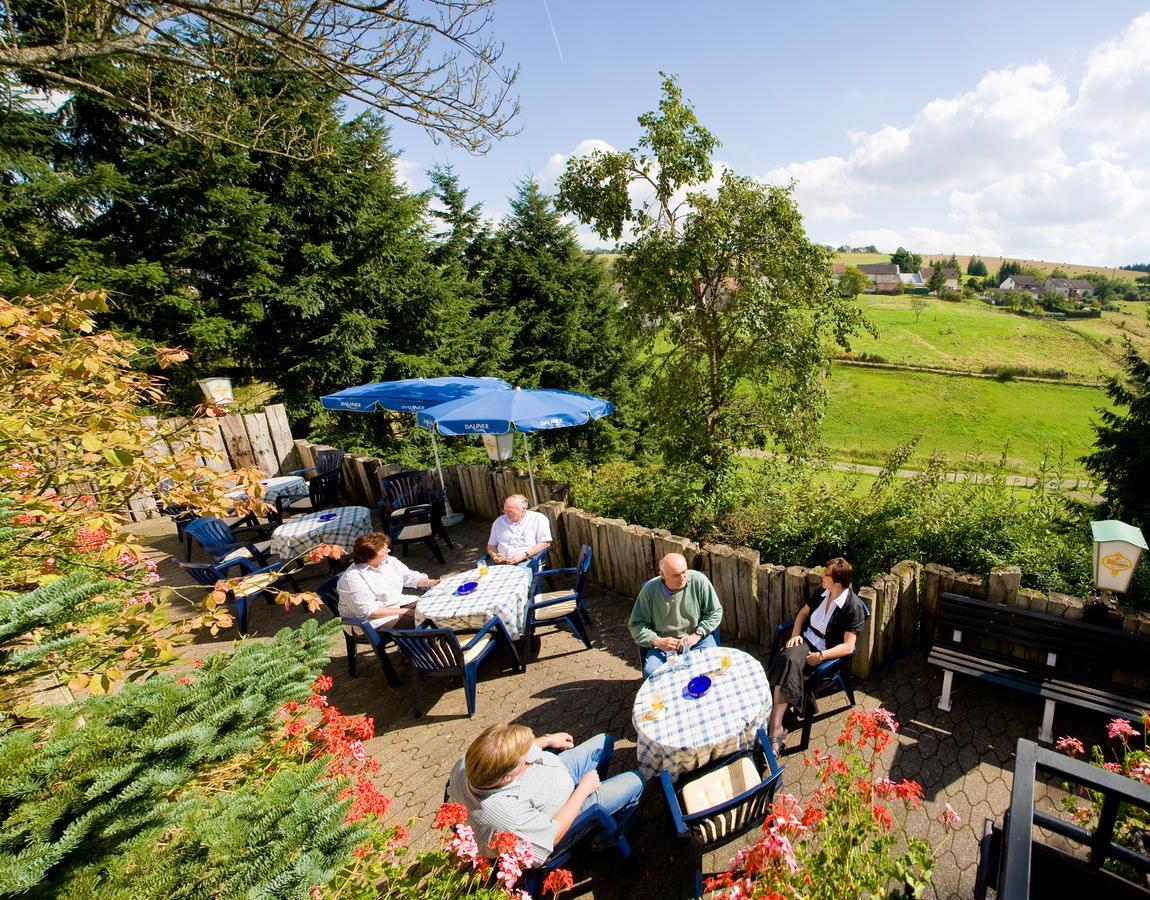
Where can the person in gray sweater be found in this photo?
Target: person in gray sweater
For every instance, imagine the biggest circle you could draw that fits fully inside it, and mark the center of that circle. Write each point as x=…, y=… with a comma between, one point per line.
x=674, y=612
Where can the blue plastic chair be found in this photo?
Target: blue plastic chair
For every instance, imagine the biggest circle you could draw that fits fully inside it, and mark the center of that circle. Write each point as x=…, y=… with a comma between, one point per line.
x=364, y=633
x=326, y=461
x=219, y=540
x=592, y=824
x=413, y=511
x=257, y=585
x=436, y=653
x=564, y=607
x=322, y=492
x=820, y=681
x=755, y=769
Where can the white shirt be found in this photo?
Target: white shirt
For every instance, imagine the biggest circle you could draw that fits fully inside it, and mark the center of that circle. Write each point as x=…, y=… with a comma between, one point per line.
x=512, y=538
x=821, y=617
x=362, y=588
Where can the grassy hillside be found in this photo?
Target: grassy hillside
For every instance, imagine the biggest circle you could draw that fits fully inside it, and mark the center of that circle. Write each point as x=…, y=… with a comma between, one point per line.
x=873, y=411
x=993, y=263
x=972, y=335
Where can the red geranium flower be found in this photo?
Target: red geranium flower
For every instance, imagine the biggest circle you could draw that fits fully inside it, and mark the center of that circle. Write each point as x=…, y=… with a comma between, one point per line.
x=450, y=815
x=558, y=880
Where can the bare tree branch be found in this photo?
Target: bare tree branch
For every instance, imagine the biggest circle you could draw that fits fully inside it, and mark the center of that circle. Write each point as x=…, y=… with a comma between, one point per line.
x=430, y=62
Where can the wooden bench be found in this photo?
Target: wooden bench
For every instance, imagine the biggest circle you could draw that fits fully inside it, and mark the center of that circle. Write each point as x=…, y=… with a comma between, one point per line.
x=1063, y=660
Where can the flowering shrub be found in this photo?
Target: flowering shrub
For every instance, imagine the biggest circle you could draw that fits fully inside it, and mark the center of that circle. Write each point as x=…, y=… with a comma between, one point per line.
x=849, y=839
x=1130, y=758
x=76, y=442
x=216, y=615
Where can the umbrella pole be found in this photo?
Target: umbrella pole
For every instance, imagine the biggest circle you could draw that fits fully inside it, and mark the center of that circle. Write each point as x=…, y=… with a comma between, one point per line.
x=530, y=474
x=450, y=517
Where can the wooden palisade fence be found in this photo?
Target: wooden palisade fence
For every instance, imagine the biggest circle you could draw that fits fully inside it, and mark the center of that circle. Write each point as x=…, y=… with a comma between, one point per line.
x=757, y=596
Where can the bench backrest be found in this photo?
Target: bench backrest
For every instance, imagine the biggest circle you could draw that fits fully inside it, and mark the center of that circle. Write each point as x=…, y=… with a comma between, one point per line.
x=1091, y=651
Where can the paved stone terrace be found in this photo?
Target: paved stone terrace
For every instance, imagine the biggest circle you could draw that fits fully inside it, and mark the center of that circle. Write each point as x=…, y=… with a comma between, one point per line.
x=963, y=758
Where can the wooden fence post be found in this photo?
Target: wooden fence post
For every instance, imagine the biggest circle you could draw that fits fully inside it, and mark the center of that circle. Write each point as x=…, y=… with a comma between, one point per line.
x=282, y=445
x=260, y=439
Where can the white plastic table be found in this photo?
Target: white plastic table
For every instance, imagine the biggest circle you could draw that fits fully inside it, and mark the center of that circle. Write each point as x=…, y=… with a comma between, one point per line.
x=341, y=526
x=691, y=732
x=502, y=592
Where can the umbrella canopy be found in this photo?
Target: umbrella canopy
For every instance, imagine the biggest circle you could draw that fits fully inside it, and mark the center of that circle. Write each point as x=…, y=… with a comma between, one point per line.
x=498, y=412
x=413, y=395
x=410, y=394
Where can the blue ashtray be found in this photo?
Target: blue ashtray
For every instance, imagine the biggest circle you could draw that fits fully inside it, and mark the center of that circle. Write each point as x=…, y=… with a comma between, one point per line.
x=698, y=686
x=327, y=517
x=467, y=587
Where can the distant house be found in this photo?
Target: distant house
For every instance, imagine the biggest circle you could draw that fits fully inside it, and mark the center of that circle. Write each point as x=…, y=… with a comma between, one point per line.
x=1071, y=288
x=883, y=278
x=1022, y=283
x=910, y=279
x=953, y=278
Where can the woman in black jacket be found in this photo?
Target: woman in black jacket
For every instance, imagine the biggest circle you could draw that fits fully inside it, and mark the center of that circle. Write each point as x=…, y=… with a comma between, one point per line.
x=826, y=628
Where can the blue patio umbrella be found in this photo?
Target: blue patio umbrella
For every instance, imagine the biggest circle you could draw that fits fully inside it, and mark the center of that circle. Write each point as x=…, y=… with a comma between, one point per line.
x=414, y=395
x=499, y=412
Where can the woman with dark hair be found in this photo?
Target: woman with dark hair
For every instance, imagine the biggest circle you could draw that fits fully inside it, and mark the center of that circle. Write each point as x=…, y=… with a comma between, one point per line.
x=372, y=586
x=826, y=628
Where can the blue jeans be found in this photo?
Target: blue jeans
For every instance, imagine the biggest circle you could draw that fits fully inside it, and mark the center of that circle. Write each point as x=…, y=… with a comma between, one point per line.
x=653, y=658
x=618, y=795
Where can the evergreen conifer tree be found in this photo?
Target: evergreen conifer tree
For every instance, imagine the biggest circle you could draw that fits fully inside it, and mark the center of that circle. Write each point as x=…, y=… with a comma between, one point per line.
x=111, y=796
x=1122, y=454
x=569, y=330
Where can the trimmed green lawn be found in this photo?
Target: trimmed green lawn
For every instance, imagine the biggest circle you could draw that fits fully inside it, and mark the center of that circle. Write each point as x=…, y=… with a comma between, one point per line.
x=873, y=411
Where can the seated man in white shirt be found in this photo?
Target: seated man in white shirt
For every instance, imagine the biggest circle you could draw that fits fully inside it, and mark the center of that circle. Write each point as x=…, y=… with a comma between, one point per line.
x=518, y=534
x=372, y=586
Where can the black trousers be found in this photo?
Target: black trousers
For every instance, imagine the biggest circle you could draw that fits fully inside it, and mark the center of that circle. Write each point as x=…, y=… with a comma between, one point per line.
x=789, y=670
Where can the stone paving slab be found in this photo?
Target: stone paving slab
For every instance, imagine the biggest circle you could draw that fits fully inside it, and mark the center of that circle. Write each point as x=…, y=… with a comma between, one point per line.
x=963, y=758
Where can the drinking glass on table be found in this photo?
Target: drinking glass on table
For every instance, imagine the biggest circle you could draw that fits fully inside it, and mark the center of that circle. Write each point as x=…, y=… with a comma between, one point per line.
x=482, y=566
x=725, y=662
x=657, y=704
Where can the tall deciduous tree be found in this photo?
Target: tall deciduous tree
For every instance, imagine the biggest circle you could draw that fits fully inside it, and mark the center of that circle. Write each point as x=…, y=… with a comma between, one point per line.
x=852, y=282
x=181, y=65
x=744, y=298
x=1121, y=454
x=569, y=330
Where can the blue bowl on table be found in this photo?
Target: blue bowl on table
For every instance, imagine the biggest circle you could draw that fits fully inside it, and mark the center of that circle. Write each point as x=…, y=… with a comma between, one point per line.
x=467, y=587
x=698, y=686
x=327, y=517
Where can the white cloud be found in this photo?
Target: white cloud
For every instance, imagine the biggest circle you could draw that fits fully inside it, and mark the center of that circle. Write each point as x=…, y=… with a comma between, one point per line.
x=999, y=168
x=1115, y=93
x=823, y=187
x=410, y=174
x=1008, y=123
x=557, y=162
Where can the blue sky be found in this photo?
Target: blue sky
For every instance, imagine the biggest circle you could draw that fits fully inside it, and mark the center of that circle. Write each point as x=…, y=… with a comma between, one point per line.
x=1008, y=128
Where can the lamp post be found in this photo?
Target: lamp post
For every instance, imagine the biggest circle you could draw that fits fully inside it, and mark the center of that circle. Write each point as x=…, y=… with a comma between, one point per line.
x=1117, y=549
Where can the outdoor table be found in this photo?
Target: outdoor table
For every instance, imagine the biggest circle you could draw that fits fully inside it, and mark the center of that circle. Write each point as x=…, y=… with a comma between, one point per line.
x=691, y=732
x=502, y=592
x=299, y=534
x=292, y=486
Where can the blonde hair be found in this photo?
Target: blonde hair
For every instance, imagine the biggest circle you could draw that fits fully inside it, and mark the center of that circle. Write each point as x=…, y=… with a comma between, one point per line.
x=495, y=754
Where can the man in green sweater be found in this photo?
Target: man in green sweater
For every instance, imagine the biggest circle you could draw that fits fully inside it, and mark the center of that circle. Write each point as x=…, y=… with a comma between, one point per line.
x=674, y=612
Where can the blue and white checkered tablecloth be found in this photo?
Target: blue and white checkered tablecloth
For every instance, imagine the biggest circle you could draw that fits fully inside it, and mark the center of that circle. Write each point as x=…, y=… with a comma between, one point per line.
x=502, y=592
x=300, y=533
x=281, y=486
x=690, y=732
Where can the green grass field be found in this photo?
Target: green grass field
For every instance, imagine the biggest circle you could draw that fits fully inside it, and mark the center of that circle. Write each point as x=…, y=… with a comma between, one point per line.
x=972, y=335
x=873, y=411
